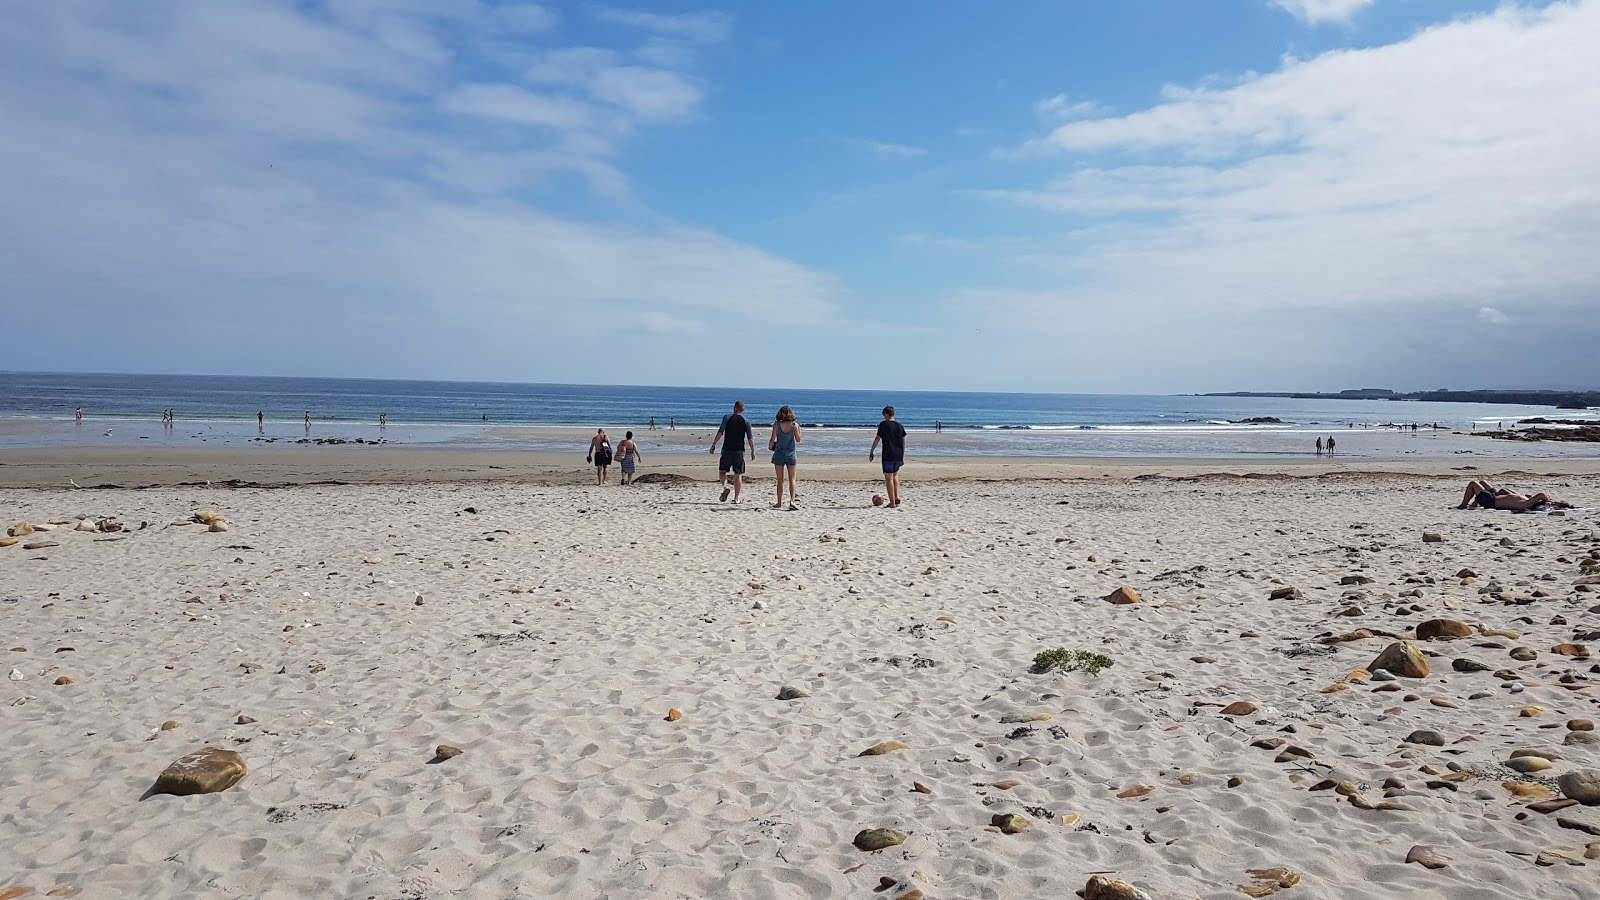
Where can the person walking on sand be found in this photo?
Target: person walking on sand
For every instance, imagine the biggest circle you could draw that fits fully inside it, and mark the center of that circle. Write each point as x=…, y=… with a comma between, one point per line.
x=652, y=423
x=308, y=421
x=80, y=415
x=628, y=455
x=785, y=435
x=893, y=437
x=737, y=431
x=938, y=427
x=600, y=455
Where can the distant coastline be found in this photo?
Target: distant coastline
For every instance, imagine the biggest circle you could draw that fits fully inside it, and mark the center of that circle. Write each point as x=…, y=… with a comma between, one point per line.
x=1557, y=399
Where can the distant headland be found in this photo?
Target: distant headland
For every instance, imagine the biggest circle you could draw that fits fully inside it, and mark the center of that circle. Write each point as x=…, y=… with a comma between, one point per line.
x=1557, y=399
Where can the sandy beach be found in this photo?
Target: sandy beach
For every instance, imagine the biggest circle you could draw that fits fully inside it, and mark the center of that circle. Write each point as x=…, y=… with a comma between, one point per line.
x=337, y=634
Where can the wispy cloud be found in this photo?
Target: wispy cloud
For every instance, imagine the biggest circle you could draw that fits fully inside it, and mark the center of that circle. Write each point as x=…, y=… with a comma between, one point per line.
x=1493, y=316
x=1061, y=108
x=1317, y=12
x=704, y=27
x=900, y=151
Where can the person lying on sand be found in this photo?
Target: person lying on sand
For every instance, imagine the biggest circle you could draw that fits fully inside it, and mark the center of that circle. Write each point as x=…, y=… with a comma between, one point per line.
x=1486, y=495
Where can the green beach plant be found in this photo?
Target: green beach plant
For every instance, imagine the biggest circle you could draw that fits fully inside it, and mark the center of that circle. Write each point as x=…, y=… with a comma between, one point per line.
x=1064, y=660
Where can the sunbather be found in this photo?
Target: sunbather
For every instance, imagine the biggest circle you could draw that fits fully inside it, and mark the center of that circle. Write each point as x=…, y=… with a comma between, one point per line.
x=1486, y=495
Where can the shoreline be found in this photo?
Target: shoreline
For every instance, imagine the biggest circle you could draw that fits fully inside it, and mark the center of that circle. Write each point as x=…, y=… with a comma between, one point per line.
x=135, y=467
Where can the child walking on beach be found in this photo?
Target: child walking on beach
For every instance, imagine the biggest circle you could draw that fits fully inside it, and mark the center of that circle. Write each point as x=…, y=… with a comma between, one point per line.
x=785, y=435
x=893, y=437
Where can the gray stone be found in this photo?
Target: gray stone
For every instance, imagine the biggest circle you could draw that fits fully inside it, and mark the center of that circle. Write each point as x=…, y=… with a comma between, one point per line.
x=1430, y=738
x=1582, y=785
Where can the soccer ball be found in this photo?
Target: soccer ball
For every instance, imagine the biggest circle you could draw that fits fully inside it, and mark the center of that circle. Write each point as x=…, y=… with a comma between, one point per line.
x=877, y=499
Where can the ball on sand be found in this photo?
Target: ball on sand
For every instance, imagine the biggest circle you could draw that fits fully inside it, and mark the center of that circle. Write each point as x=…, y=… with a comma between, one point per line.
x=877, y=499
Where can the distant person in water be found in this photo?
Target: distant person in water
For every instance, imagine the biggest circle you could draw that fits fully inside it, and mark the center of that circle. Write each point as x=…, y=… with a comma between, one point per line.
x=600, y=455
x=261, y=422
x=80, y=414
x=628, y=456
x=383, y=420
x=893, y=437
x=1486, y=495
x=782, y=443
x=738, y=432
x=308, y=421
x=1330, y=445
x=938, y=427
x=1319, y=446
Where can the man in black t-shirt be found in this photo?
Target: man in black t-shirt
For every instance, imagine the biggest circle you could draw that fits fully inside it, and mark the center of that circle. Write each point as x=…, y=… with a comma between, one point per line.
x=738, y=432
x=893, y=437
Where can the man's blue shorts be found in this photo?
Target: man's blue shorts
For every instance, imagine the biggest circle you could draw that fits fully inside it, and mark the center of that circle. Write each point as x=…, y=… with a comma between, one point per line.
x=889, y=468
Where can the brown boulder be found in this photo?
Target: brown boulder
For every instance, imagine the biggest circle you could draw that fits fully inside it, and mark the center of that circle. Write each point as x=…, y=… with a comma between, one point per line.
x=206, y=771
x=1450, y=629
x=1103, y=888
x=1402, y=658
x=1581, y=651
x=1239, y=708
x=1122, y=596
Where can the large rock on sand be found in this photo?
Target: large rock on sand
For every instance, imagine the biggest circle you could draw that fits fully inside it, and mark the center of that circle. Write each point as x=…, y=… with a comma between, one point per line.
x=205, y=771
x=1443, y=628
x=1103, y=888
x=1122, y=596
x=1582, y=786
x=1403, y=659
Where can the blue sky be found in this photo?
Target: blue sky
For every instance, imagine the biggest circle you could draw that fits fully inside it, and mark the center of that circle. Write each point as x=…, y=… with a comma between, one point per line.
x=1131, y=196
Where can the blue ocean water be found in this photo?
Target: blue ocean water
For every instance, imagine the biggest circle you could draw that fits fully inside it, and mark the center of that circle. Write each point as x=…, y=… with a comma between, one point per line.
x=125, y=408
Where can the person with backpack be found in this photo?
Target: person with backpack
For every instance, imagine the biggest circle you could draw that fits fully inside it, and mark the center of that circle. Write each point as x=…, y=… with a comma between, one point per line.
x=628, y=455
x=737, y=430
x=600, y=455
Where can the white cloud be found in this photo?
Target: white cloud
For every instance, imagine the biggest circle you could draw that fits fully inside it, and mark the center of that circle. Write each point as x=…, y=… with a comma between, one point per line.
x=1493, y=316
x=1455, y=169
x=704, y=27
x=898, y=151
x=509, y=103
x=653, y=95
x=1061, y=108
x=1318, y=11
x=319, y=188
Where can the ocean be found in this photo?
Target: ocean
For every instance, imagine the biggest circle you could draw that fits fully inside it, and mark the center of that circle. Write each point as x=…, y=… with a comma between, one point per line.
x=37, y=410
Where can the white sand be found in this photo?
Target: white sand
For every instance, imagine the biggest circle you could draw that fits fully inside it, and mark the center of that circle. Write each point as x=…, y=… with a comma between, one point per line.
x=616, y=604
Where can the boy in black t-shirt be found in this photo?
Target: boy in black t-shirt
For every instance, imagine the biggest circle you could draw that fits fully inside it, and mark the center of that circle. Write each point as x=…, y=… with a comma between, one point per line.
x=738, y=431
x=893, y=437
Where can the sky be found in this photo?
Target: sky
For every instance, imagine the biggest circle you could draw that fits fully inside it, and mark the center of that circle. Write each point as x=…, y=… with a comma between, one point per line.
x=1114, y=197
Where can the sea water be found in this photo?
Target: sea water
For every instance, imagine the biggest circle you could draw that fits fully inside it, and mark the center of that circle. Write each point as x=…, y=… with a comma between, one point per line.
x=38, y=410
